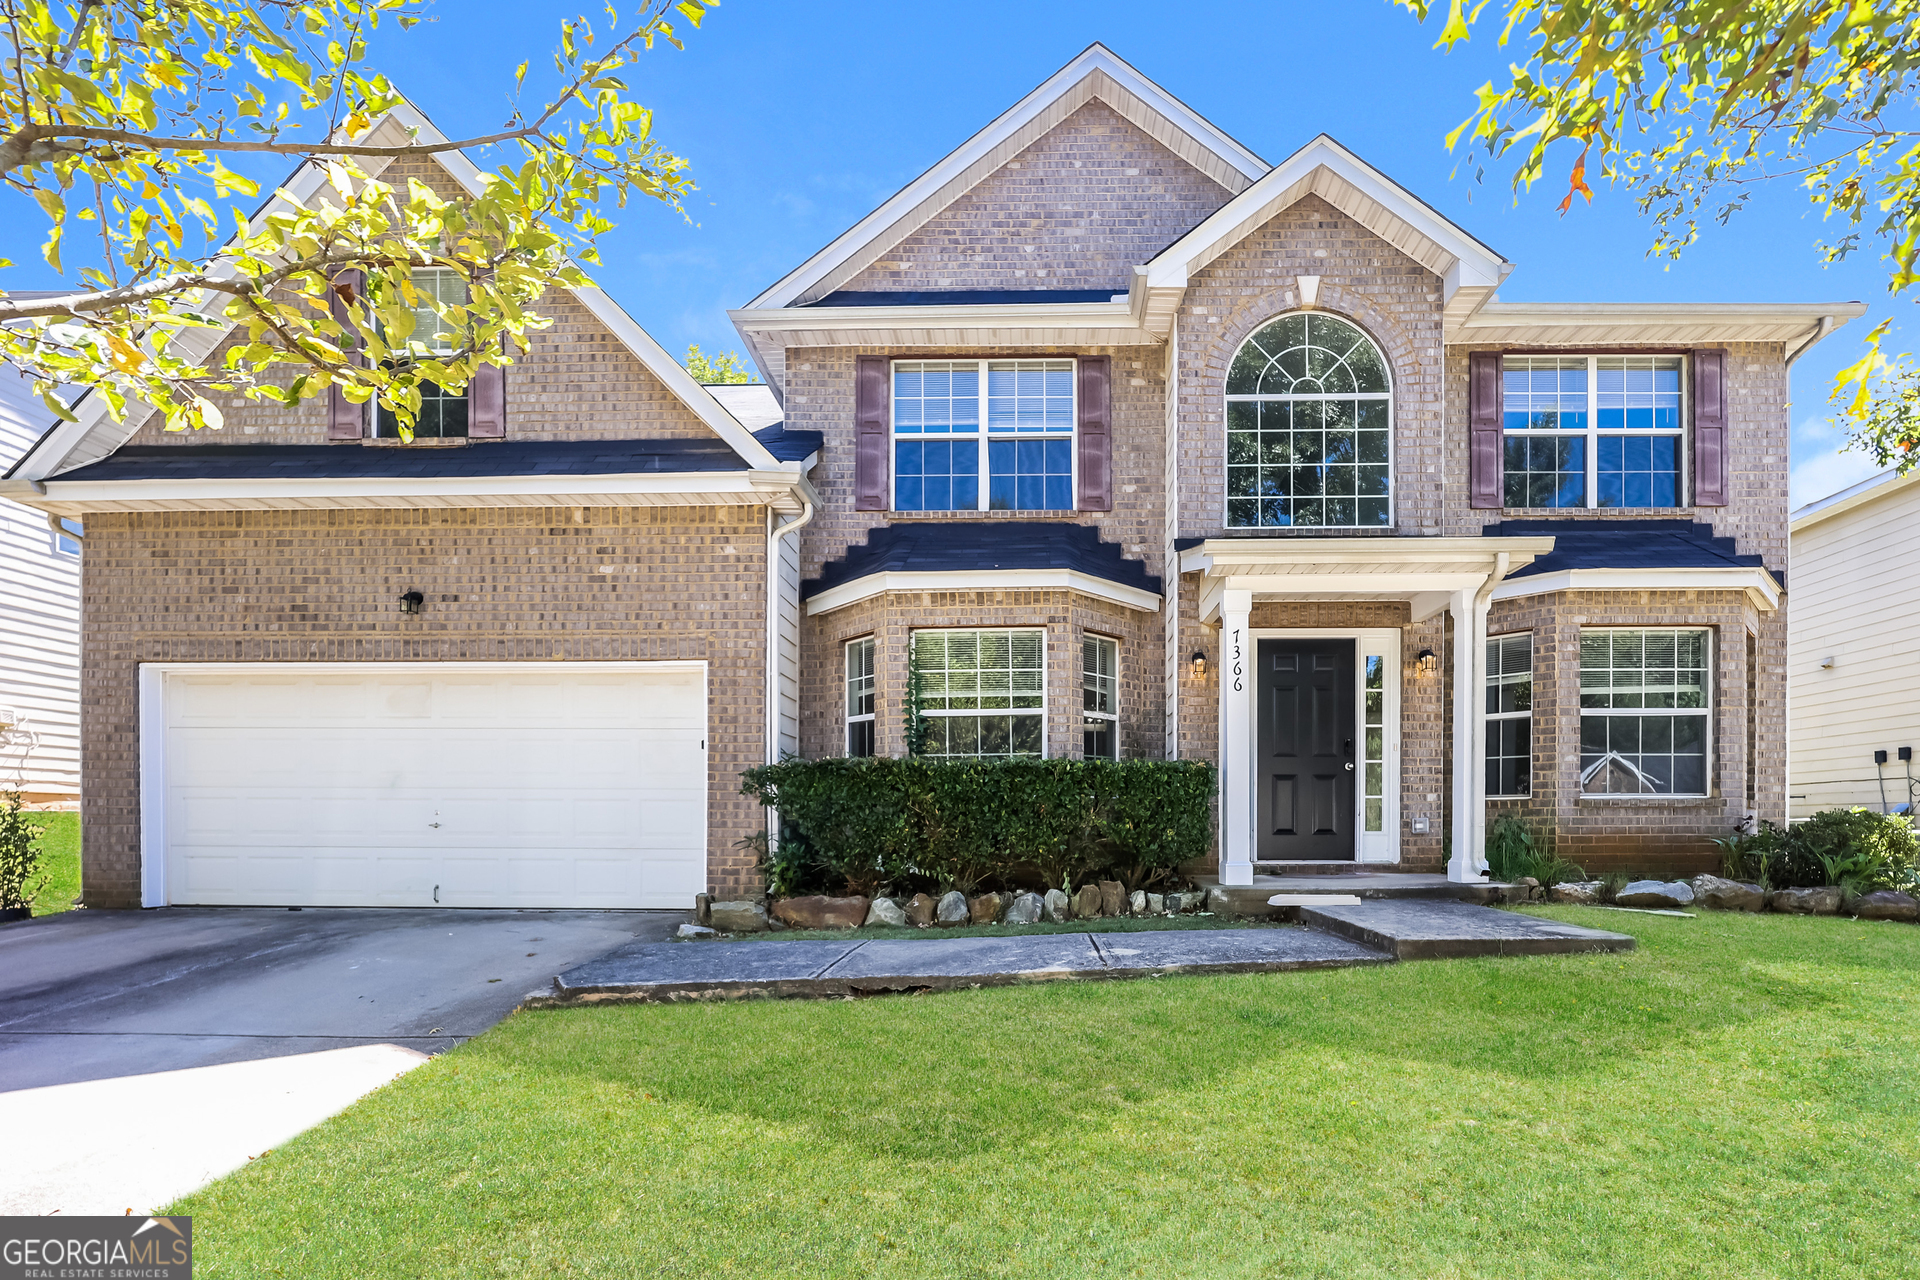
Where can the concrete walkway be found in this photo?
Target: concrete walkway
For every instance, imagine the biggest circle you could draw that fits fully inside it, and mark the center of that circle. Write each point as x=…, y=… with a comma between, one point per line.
x=1376, y=932
x=744, y=970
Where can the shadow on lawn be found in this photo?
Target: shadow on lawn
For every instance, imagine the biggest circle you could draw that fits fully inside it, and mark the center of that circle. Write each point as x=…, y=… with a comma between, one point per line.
x=971, y=1068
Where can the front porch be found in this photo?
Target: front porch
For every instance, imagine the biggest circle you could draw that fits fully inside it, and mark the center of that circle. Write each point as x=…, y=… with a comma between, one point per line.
x=1314, y=763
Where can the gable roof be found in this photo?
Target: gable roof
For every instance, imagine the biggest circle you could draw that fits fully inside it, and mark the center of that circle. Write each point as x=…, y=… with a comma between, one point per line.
x=1471, y=271
x=94, y=435
x=1097, y=72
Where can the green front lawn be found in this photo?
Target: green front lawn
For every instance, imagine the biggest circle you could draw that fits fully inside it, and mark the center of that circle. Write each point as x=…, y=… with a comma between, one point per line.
x=1737, y=1098
x=62, y=864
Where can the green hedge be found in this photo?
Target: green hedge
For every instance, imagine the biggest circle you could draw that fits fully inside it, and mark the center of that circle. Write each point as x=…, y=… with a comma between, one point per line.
x=867, y=824
x=1857, y=848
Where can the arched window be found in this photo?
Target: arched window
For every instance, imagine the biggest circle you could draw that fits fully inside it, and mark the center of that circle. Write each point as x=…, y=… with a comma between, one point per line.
x=1309, y=427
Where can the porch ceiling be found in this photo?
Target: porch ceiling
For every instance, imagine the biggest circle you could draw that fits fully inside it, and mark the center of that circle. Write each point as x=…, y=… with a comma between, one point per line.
x=1425, y=572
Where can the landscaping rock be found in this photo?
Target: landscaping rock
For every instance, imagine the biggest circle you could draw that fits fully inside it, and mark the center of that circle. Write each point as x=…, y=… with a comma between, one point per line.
x=1655, y=893
x=702, y=907
x=1086, y=903
x=1113, y=898
x=820, y=912
x=1137, y=902
x=1056, y=908
x=1886, y=904
x=886, y=911
x=1156, y=904
x=1581, y=891
x=1824, y=901
x=1025, y=909
x=920, y=909
x=738, y=917
x=697, y=931
x=1525, y=889
x=1728, y=895
x=1191, y=900
x=952, y=910
x=984, y=909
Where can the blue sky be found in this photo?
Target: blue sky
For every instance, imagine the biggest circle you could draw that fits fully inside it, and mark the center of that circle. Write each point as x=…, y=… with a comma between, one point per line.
x=798, y=118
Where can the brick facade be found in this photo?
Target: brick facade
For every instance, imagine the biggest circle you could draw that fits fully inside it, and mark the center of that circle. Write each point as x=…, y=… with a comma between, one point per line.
x=508, y=585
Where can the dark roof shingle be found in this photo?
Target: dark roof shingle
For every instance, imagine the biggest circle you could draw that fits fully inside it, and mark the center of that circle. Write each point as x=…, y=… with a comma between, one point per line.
x=509, y=458
x=946, y=547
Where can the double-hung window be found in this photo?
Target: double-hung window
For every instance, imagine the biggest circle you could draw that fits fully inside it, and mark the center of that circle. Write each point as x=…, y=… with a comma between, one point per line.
x=443, y=414
x=983, y=435
x=1510, y=715
x=860, y=697
x=1645, y=697
x=1100, y=698
x=1593, y=431
x=983, y=694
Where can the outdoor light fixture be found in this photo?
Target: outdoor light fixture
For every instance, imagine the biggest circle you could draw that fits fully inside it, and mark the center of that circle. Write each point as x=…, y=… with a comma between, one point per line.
x=1199, y=664
x=1428, y=662
x=411, y=602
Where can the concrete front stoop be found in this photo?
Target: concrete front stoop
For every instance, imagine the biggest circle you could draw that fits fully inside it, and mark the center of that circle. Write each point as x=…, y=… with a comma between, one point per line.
x=1252, y=900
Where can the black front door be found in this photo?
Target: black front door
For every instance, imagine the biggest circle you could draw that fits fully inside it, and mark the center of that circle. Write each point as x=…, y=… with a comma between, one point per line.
x=1304, y=776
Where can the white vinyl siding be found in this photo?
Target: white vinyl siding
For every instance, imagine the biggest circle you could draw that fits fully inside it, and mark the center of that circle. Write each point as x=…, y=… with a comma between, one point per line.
x=39, y=624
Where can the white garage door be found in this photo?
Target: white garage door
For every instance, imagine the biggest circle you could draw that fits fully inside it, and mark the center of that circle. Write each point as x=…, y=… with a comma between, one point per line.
x=410, y=784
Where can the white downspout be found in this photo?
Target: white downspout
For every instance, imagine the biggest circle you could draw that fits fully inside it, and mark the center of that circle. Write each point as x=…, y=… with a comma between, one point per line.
x=773, y=621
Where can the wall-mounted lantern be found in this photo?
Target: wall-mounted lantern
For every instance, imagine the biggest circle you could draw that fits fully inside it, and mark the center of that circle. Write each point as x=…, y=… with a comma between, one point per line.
x=1427, y=663
x=1199, y=661
x=411, y=602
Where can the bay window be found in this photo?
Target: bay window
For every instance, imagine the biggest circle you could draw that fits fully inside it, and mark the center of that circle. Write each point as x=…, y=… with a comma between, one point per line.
x=1100, y=698
x=982, y=693
x=1509, y=714
x=860, y=699
x=1645, y=699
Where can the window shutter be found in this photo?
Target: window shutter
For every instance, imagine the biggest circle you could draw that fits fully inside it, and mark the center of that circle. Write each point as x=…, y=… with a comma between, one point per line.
x=345, y=419
x=487, y=401
x=1485, y=450
x=1096, y=435
x=1710, y=428
x=871, y=403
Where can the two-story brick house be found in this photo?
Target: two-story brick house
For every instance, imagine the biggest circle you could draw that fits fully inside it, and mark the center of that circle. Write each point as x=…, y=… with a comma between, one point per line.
x=1135, y=443
x=1129, y=442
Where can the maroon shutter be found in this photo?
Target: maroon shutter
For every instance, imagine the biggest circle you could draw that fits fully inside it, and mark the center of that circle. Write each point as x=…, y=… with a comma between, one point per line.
x=487, y=402
x=871, y=404
x=345, y=419
x=1485, y=450
x=1709, y=428
x=1096, y=435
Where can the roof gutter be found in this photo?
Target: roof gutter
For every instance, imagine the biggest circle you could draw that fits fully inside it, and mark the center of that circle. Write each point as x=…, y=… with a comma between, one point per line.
x=1820, y=330
x=772, y=686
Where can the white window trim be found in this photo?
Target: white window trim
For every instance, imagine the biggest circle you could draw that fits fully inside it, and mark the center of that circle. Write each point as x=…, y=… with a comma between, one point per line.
x=67, y=543
x=1368, y=846
x=1491, y=716
x=1393, y=467
x=846, y=694
x=1705, y=713
x=1113, y=717
x=1042, y=711
x=982, y=435
x=1683, y=487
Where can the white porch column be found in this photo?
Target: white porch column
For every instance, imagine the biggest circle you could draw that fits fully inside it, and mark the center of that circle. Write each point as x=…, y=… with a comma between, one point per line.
x=1467, y=767
x=1236, y=738
x=1477, y=803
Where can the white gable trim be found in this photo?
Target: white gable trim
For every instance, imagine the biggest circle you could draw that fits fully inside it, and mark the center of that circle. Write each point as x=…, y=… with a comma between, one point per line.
x=1096, y=73
x=1761, y=588
x=1325, y=168
x=62, y=449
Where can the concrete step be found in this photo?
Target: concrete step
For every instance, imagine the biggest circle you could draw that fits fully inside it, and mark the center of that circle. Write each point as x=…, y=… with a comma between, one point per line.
x=1436, y=930
x=1252, y=900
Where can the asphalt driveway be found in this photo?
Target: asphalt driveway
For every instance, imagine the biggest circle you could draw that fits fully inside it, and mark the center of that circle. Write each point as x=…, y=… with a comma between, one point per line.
x=91, y=995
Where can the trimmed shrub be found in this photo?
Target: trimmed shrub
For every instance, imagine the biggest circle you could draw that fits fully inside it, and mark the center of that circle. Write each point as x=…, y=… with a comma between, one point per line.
x=1854, y=848
x=962, y=823
x=21, y=855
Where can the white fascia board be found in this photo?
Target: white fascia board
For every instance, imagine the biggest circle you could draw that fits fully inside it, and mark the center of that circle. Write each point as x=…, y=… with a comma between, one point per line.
x=1226, y=556
x=1653, y=321
x=1119, y=314
x=1884, y=485
x=874, y=584
x=754, y=485
x=1755, y=581
x=1475, y=264
x=1095, y=58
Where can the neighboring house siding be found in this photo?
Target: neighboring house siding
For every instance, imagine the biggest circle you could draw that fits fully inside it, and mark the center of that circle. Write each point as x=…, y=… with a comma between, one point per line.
x=1856, y=578
x=520, y=584
x=1079, y=209
x=39, y=624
